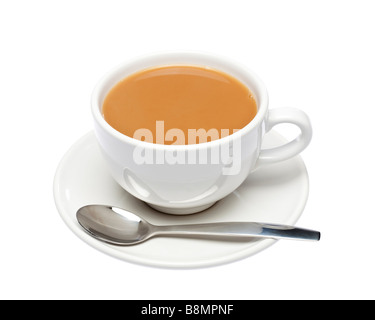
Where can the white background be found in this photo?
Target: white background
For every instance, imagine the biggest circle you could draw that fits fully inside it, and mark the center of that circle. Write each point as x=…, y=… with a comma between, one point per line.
x=315, y=55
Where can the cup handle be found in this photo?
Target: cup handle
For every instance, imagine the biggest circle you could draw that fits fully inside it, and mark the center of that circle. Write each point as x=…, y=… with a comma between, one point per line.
x=292, y=148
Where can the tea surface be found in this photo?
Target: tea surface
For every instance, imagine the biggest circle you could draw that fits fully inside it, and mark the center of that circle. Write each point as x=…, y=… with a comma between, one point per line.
x=178, y=100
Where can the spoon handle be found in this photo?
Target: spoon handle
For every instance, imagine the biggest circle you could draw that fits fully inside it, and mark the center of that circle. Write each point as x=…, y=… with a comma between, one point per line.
x=240, y=230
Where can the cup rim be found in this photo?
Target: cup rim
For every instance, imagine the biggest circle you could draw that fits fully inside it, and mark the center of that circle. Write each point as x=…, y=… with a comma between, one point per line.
x=261, y=97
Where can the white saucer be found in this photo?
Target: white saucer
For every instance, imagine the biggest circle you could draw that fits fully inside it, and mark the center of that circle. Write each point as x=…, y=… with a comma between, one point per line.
x=274, y=194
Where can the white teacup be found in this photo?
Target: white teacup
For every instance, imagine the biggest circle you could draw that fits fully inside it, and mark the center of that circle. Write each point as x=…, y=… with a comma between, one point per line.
x=184, y=179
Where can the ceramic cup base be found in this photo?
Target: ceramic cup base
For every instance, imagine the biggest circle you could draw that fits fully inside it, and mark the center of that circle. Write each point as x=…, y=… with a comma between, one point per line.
x=181, y=211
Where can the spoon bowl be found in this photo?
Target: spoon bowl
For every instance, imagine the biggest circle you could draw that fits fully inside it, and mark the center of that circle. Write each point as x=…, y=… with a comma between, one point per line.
x=113, y=225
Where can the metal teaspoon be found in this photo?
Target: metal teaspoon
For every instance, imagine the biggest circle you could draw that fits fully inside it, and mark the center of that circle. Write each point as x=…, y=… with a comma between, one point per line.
x=121, y=227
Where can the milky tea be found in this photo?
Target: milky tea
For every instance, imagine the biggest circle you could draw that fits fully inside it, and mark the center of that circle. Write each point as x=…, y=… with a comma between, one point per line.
x=179, y=105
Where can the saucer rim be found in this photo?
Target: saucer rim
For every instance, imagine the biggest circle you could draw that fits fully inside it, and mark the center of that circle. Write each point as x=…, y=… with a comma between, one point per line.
x=111, y=250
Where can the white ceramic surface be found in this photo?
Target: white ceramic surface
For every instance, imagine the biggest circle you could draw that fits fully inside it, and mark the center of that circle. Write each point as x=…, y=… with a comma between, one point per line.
x=276, y=194
x=189, y=188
